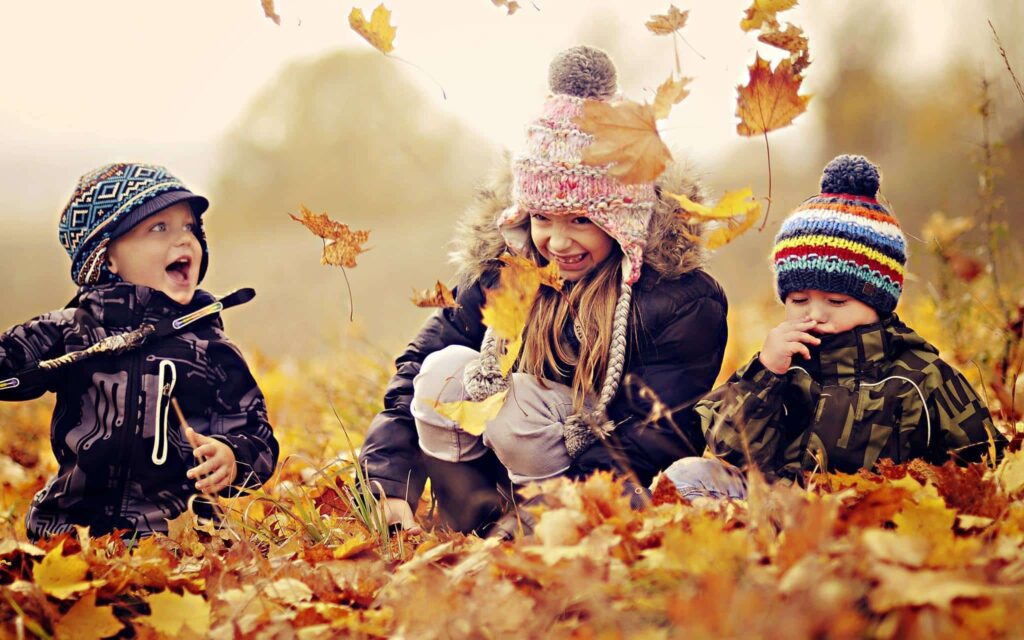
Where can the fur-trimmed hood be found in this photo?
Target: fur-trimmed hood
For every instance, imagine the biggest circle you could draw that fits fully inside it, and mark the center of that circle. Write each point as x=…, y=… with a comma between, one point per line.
x=671, y=250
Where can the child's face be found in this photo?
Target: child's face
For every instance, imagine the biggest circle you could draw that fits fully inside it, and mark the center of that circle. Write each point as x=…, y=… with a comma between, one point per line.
x=161, y=252
x=574, y=243
x=834, y=312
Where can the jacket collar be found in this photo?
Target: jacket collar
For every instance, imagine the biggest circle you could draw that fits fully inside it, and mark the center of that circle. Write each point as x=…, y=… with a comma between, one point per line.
x=125, y=305
x=861, y=352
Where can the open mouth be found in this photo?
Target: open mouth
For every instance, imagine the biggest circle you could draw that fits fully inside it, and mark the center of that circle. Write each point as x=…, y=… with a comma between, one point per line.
x=179, y=270
x=569, y=261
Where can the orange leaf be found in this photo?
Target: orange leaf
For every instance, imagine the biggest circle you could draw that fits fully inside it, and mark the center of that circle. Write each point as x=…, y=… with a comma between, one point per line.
x=508, y=305
x=671, y=92
x=63, y=576
x=625, y=137
x=86, y=621
x=378, y=31
x=793, y=40
x=762, y=12
x=345, y=244
x=440, y=296
x=734, y=212
x=511, y=7
x=268, y=10
x=667, y=24
x=770, y=100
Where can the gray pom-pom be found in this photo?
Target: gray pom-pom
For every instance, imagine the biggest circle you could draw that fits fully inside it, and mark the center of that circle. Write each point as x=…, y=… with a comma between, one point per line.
x=583, y=71
x=855, y=175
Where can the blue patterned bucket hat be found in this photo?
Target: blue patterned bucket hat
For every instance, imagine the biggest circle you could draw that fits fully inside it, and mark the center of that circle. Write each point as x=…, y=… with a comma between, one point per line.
x=107, y=203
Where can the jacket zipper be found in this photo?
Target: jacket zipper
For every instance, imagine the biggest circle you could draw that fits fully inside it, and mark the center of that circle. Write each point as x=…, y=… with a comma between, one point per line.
x=129, y=438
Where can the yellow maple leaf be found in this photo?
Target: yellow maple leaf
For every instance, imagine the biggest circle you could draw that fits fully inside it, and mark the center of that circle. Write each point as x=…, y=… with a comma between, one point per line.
x=763, y=12
x=668, y=23
x=86, y=621
x=510, y=6
x=356, y=544
x=770, y=100
x=507, y=305
x=63, y=576
x=342, y=244
x=735, y=212
x=472, y=417
x=170, y=613
x=378, y=31
x=671, y=92
x=268, y=10
x=440, y=296
x=626, y=138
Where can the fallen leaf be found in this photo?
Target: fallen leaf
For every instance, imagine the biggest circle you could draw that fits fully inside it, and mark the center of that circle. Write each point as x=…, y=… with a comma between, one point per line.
x=902, y=587
x=63, y=576
x=510, y=6
x=668, y=23
x=353, y=546
x=288, y=591
x=378, y=31
x=671, y=92
x=472, y=417
x=763, y=12
x=343, y=244
x=626, y=138
x=86, y=621
x=268, y=10
x=770, y=100
x=440, y=296
x=170, y=613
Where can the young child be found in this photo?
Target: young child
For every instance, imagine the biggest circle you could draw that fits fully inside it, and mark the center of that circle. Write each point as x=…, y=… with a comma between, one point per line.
x=138, y=252
x=842, y=382
x=635, y=303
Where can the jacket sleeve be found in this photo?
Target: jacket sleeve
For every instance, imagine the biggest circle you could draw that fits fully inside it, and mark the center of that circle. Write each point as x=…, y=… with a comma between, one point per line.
x=240, y=419
x=390, y=455
x=743, y=417
x=961, y=425
x=24, y=346
x=653, y=408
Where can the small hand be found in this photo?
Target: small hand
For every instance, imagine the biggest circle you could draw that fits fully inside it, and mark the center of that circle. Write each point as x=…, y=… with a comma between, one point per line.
x=398, y=511
x=216, y=469
x=786, y=340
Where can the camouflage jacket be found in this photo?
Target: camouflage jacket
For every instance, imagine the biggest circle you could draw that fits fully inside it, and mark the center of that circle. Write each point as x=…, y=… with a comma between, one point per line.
x=122, y=455
x=876, y=391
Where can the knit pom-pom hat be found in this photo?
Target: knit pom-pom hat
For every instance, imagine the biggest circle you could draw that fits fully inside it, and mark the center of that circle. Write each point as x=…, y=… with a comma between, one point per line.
x=550, y=177
x=107, y=203
x=843, y=240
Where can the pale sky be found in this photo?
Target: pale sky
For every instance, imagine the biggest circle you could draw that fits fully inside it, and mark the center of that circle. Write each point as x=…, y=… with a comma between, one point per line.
x=88, y=82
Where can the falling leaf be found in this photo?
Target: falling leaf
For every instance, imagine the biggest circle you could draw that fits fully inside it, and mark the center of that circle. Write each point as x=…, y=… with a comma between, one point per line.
x=791, y=39
x=441, y=297
x=770, y=100
x=268, y=10
x=669, y=23
x=63, y=576
x=625, y=137
x=943, y=231
x=86, y=621
x=378, y=31
x=343, y=244
x=671, y=92
x=763, y=12
x=170, y=613
x=472, y=417
x=735, y=212
x=510, y=6
x=507, y=305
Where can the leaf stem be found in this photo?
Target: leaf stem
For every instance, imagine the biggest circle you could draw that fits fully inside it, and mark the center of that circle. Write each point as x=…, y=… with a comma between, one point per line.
x=444, y=94
x=768, y=209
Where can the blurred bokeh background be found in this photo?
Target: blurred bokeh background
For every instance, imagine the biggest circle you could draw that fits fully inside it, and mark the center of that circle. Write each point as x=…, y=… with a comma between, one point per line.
x=262, y=118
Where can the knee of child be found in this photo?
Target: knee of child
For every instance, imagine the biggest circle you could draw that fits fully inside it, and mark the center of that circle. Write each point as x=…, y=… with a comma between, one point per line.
x=440, y=376
x=691, y=472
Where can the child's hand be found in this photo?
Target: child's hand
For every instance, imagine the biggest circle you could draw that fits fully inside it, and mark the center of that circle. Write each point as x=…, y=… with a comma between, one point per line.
x=216, y=469
x=785, y=341
x=397, y=511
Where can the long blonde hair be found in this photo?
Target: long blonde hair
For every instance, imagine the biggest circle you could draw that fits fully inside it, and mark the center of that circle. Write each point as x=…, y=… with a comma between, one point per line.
x=544, y=349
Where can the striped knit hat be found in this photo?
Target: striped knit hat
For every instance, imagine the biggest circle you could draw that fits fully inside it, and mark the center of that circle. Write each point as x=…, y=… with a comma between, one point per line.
x=550, y=177
x=107, y=203
x=843, y=240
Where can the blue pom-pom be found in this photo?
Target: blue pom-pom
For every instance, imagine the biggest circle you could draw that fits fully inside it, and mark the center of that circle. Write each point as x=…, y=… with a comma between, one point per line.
x=854, y=175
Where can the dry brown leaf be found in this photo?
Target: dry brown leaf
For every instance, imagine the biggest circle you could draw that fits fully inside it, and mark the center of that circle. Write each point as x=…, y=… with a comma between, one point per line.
x=770, y=100
x=344, y=244
x=625, y=137
x=268, y=10
x=671, y=92
x=763, y=12
x=378, y=31
x=668, y=23
x=440, y=296
x=510, y=5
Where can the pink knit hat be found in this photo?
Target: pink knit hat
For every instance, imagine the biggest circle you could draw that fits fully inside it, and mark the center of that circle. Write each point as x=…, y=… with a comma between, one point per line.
x=550, y=177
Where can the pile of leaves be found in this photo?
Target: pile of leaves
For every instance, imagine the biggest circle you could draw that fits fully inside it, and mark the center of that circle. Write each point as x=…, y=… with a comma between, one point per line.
x=912, y=551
